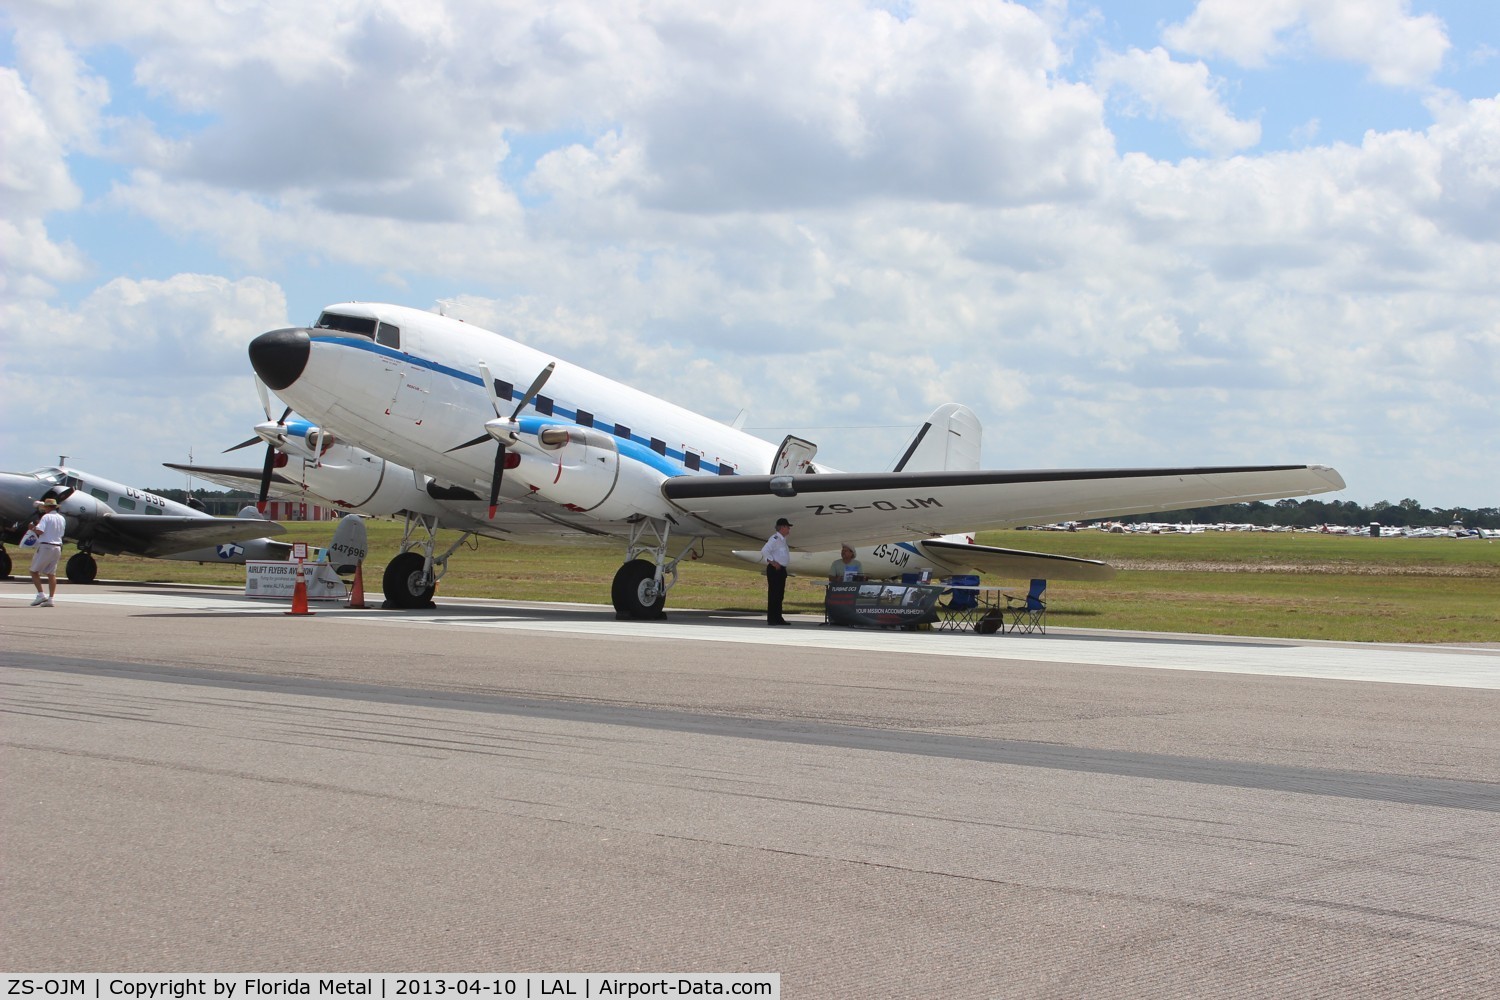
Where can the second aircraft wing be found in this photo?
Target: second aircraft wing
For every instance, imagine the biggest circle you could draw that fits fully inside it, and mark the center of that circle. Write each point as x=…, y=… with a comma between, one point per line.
x=153, y=535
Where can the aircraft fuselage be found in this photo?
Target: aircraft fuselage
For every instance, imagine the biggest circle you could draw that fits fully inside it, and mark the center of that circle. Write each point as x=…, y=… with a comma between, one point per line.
x=410, y=387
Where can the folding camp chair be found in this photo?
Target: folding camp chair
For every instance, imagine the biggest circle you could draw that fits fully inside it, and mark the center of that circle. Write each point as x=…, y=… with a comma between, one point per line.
x=961, y=600
x=1029, y=613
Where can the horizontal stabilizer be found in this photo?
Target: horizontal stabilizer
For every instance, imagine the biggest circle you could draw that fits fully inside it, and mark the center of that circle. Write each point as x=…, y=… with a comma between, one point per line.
x=1015, y=564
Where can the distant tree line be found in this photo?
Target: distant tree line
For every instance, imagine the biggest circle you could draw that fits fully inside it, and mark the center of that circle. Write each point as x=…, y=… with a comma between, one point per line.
x=216, y=502
x=1408, y=513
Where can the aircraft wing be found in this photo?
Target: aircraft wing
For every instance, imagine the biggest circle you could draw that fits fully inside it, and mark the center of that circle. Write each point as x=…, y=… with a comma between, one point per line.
x=1015, y=564
x=162, y=535
x=829, y=508
x=241, y=479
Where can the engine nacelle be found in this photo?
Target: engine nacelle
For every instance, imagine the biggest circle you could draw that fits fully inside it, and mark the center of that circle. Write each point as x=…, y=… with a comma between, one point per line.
x=353, y=478
x=298, y=439
x=582, y=469
x=80, y=509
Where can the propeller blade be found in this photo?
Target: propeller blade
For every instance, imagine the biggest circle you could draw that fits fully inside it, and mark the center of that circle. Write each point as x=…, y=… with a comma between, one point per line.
x=495, y=480
x=265, y=397
x=468, y=444
x=265, y=478
x=489, y=383
x=242, y=444
x=536, y=387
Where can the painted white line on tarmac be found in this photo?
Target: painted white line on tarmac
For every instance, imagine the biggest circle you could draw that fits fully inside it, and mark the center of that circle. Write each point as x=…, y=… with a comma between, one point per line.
x=1382, y=663
x=1388, y=664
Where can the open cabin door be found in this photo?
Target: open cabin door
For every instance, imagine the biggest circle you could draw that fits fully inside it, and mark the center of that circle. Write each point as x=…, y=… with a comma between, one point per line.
x=794, y=457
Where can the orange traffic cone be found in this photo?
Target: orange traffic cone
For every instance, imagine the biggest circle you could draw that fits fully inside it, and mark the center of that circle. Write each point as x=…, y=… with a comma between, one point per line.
x=357, y=598
x=299, y=595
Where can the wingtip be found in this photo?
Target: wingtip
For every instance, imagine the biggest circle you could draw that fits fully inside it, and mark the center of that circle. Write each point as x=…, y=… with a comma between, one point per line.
x=1330, y=476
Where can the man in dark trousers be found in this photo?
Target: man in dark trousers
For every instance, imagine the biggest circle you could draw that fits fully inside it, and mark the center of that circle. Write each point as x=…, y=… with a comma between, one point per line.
x=776, y=555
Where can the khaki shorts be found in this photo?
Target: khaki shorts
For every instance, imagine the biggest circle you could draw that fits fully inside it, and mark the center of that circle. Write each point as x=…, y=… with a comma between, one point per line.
x=45, y=560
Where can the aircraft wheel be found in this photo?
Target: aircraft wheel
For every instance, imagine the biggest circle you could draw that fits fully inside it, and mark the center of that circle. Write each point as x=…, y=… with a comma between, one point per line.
x=635, y=593
x=4, y=565
x=82, y=568
x=405, y=584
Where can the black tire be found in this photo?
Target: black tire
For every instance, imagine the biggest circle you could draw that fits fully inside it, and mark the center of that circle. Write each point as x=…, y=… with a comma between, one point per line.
x=4, y=565
x=632, y=592
x=82, y=568
x=404, y=585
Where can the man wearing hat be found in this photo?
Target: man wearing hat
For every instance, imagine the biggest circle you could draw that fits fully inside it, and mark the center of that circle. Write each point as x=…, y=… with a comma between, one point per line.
x=776, y=555
x=49, y=531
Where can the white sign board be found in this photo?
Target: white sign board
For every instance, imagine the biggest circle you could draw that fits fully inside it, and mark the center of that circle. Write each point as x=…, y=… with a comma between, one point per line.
x=279, y=580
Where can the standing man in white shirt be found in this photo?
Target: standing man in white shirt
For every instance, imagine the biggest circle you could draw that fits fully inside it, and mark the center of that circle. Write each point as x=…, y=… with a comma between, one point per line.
x=776, y=555
x=49, y=538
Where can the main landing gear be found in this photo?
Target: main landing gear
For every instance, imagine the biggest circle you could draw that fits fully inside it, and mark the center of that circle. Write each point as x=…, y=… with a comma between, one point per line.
x=411, y=578
x=640, y=586
x=639, y=590
x=82, y=568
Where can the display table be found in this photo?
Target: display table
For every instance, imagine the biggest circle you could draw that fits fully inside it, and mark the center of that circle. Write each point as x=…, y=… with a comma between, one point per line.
x=881, y=605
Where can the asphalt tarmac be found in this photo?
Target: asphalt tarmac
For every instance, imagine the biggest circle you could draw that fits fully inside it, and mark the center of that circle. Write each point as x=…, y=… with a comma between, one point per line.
x=195, y=782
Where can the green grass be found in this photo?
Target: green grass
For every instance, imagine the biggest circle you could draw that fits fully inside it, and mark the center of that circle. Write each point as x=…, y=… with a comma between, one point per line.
x=1264, y=584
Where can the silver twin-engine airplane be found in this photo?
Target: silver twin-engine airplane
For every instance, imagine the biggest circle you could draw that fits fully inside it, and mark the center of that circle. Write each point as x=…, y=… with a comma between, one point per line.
x=108, y=517
x=521, y=444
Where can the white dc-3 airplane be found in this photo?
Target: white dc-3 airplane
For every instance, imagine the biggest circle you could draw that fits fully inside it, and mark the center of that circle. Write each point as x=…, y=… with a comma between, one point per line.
x=109, y=518
x=577, y=454
x=306, y=462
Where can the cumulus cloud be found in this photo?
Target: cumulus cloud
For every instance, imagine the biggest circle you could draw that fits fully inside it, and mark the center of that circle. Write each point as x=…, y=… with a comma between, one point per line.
x=34, y=180
x=1184, y=93
x=1396, y=47
x=830, y=214
x=135, y=374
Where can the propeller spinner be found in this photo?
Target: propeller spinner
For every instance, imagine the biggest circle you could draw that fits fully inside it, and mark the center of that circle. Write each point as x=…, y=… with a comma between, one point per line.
x=500, y=447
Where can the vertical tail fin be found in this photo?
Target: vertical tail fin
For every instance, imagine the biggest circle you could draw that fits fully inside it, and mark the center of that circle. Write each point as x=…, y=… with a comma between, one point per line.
x=948, y=441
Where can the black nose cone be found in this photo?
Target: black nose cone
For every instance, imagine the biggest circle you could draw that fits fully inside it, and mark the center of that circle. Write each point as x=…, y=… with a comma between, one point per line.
x=280, y=356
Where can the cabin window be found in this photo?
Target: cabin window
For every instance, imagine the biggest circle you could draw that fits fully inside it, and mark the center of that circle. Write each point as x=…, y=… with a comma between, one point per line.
x=99, y=494
x=503, y=390
x=544, y=405
x=659, y=446
x=725, y=469
x=622, y=431
x=387, y=335
x=127, y=504
x=360, y=325
x=585, y=418
x=690, y=459
x=153, y=510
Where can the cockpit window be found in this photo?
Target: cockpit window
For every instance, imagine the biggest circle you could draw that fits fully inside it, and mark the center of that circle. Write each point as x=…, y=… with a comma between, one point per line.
x=53, y=476
x=388, y=335
x=347, y=324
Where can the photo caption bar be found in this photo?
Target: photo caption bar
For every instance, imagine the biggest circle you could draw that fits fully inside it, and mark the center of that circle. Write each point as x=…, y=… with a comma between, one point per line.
x=391, y=986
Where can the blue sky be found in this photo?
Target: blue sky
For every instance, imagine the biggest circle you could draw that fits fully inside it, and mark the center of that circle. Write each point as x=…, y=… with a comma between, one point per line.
x=1149, y=233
